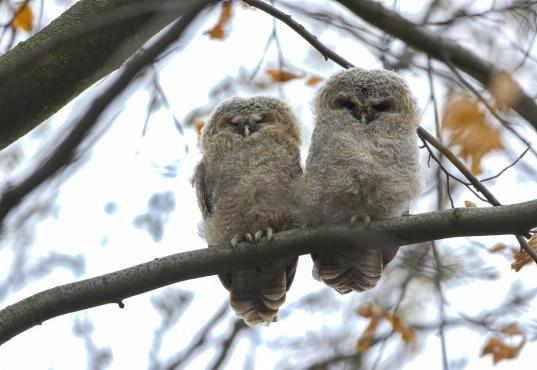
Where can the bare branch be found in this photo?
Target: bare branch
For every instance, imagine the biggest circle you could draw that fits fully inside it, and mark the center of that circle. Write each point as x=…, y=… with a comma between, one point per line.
x=65, y=151
x=116, y=286
x=309, y=37
x=436, y=47
x=84, y=44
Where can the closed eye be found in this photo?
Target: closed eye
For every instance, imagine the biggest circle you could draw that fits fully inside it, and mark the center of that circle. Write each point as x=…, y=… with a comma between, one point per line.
x=381, y=107
x=348, y=105
x=343, y=102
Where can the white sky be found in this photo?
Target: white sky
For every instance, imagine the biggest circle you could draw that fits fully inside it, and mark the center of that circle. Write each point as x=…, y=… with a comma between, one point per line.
x=125, y=168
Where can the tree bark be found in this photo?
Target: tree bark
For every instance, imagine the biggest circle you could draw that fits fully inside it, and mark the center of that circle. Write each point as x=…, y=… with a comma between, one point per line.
x=84, y=44
x=116, y=286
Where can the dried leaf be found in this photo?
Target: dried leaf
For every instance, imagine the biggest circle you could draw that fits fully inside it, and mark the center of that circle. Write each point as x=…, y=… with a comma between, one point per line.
x=365, y=339
x=369, y=310
x=504, y=90
x=313, y=80
x=512, y=329
x=198, y=126
x=279, y=75
x=469, y=204
x=217, y=32
x=470, y=131
x=24, y=18
x=521, y=258
x=399, y=326
x=500, y=350
x=498, y=247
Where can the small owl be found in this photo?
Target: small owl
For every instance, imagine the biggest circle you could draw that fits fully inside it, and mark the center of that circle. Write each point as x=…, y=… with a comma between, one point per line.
x=362, y=165
x=246, y=185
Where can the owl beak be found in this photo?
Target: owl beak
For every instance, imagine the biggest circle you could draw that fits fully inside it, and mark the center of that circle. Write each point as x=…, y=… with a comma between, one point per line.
x=246, y=131
x=363, y=118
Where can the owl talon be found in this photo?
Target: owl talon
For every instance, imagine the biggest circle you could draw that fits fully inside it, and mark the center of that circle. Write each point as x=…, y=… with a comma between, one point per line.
x=258, y=235
x=360, y=217
x=237, y=238
x=268, y=232
x=235, y=241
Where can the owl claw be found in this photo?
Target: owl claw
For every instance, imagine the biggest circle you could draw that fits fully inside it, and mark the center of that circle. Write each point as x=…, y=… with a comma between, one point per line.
x=237, y=238
x=360, y=217
x=268, y=232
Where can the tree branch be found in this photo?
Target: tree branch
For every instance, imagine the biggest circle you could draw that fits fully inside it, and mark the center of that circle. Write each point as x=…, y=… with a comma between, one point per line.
x=424, y=135
x=436, y=47
x=116, y=286
x=84, y=44
x=64, y=152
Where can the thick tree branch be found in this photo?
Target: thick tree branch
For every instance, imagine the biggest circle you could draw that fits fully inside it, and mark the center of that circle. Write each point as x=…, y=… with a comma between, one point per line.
x=65, y=150
x=84, y=44
x=436, y=47
x=116, y=286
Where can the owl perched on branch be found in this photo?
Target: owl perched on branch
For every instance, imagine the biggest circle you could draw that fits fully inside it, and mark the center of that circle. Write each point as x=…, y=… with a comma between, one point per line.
x=362, y=165
x=246, y=185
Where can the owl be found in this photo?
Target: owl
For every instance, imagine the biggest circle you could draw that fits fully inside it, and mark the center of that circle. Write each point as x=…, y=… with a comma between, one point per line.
x=362, y=165
x=246, y=184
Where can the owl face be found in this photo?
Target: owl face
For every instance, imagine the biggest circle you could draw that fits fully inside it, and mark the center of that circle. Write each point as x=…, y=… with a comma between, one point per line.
x=249, y=119
x=366, y=97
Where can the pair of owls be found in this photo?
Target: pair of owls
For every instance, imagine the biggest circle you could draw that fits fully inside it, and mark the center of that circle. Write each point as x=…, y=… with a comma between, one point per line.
x=362, y=165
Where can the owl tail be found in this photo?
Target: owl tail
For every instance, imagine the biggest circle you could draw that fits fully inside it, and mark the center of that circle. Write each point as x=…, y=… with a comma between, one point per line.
x=358, y=270
x=256, y=294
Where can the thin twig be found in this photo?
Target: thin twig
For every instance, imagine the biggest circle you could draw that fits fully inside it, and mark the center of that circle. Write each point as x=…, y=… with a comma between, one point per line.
x=312, y=39
x=201, y=339
x=506, y=168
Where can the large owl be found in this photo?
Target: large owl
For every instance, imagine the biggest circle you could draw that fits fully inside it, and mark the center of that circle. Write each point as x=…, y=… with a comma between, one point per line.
x=246, y=185
x=362, y=165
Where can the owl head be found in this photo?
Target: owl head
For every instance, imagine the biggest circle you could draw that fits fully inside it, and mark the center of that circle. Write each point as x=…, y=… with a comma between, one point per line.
x=365, y=97
x=249, y=119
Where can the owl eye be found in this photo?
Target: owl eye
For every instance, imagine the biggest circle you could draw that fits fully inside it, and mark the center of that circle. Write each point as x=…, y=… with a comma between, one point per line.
x=348, y=105
x=381, y=107
x=342, y=101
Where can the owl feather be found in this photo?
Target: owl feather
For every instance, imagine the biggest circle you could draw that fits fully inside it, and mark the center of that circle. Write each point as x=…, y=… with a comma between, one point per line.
x=246, y=184
x=363, y=164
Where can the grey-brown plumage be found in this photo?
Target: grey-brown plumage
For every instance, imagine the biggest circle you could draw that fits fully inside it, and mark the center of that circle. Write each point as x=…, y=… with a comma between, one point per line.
x=246, y=185
x=362, y=165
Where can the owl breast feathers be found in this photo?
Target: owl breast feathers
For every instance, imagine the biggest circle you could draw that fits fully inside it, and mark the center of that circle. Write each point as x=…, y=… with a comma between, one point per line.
x=362, y=164
x=247, y=183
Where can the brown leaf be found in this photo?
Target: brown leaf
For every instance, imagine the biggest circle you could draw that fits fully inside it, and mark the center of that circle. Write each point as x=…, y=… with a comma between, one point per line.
x=500, y=350
x=512, y=329
x=498, y=247
x=313, y=80
x=217, y=32
x=364, y=341
x=24, y=18
x=399, y=326
x=469, y=204
x=521, y=258
x=279, y=75
x=198, y=126
x=369, y=310
x=504, y=90
x=470, y=131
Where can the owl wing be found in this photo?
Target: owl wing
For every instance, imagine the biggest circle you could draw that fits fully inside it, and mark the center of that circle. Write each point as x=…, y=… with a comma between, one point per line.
x=199, y=180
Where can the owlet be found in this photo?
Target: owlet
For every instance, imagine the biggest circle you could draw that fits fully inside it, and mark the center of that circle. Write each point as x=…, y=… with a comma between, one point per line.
x=362, y=165
x=246, y=184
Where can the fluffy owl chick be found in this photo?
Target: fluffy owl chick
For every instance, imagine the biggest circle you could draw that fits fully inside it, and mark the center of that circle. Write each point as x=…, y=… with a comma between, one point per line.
x=362, y=165
x=246, y=185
